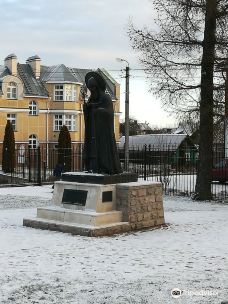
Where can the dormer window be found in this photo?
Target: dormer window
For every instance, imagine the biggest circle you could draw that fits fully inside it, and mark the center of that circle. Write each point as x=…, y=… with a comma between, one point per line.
x=12, y=90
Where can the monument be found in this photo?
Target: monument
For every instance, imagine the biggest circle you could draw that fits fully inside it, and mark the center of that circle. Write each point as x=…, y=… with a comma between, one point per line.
x=102, y=200
x=100, y=152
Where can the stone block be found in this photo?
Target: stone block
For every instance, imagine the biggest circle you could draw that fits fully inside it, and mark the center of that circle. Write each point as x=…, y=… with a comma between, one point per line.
x=100, y=198
x=133, y=209
x=142, y=192
x=146, y=216
x=150, y=191
x=90, y=178
x=78, y=230
x=160, y=213
x=160, y=221
x=133, y=193
x=153, y=215
x=141, y=200
x=154, y=206
x=133, y=226
x=158, y=198
x=132, y=218
x=144, y=207
x=152, y=198
x=139, y=225
x=133, y=202
x=149, y=208
x=158, y=191
x=139, y=217
x=149, y=223
x=160, y=205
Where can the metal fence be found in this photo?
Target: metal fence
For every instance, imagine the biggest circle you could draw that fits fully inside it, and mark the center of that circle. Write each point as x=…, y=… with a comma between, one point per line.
x=37, y=166
x=175, y=166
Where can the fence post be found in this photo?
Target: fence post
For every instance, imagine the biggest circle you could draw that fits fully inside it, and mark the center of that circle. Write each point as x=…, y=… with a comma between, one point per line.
x=23, y=170
x=39, y=167
x=45, y=170
x=29, y=164
x=144, y=163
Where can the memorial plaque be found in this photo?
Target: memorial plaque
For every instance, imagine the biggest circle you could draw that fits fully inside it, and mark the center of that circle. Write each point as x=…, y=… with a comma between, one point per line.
x=106, y=196
x=74, y=197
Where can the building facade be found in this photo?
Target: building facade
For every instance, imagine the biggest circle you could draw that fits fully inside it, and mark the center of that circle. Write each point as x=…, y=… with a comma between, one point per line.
x=39, y=100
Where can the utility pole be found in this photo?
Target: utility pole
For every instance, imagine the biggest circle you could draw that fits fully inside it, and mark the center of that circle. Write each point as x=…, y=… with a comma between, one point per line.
x=126, y=163
x=126, y=144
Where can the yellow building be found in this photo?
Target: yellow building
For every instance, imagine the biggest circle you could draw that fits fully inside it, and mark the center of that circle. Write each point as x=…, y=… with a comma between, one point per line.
x=39, y=99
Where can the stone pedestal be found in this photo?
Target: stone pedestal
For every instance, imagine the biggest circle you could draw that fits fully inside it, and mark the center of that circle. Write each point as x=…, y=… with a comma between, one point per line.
x=100, y=209
x=85, y=209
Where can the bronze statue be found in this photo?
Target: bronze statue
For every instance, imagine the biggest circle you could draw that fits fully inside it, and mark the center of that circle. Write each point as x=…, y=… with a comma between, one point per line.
x=100, y=151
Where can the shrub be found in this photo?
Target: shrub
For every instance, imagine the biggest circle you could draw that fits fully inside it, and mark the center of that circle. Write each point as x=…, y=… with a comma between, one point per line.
x=8, y=155
x=64, y=148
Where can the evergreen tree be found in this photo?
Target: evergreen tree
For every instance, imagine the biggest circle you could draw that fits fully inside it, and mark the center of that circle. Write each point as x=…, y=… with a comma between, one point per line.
x=64, y=148
x=8, y=156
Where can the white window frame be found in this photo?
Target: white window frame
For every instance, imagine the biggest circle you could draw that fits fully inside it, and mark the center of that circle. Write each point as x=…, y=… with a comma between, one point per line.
x=33, y=141
x=66, y=92
x=12, y=90
x=13, y=119
x=69, y=120
x=188, y=156
x=58, y=122
x=59, y=92
x=33, y=109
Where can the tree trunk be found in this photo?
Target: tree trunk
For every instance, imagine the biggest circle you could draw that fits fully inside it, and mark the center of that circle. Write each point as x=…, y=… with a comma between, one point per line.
x=204, y=177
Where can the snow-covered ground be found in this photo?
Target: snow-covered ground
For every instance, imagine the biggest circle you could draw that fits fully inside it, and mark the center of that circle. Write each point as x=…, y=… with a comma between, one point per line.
x=38, y=266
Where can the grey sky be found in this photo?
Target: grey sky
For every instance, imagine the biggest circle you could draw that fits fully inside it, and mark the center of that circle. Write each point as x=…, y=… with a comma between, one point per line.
x=80, y=33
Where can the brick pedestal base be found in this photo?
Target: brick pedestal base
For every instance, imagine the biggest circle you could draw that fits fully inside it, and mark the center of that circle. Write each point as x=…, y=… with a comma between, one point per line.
x=141, y=204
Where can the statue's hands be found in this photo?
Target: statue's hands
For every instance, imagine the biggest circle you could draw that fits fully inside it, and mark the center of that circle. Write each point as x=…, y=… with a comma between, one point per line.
x=86, y=105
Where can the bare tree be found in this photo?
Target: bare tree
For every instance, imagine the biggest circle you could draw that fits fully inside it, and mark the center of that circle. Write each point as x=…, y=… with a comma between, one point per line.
x=182, y=54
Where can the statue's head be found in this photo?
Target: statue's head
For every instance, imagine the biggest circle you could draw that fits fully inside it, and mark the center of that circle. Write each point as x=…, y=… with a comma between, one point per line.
x=92, y=84
x=95, y=81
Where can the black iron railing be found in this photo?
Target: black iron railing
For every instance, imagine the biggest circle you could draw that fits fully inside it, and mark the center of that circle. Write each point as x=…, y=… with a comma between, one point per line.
x=175, y=166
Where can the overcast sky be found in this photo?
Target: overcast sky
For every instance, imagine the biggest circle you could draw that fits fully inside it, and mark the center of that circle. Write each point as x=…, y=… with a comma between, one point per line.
x=83, y=34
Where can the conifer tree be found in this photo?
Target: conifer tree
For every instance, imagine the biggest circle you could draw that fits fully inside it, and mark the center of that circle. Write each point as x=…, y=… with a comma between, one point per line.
x=8, y=156
x=64, y=148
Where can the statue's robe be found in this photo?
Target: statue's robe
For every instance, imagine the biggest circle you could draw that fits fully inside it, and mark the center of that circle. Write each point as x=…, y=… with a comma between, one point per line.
x=100, y=151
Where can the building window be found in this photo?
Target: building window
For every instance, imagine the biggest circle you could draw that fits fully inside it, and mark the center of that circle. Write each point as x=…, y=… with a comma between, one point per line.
x=12, y=119
x=59, y=93
x=70, y=92
x=33, y=142
x=188, y=156
x=12, y=90
x=68, y=120
x=58, y=123
x=65, y=92
x=33, y=108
